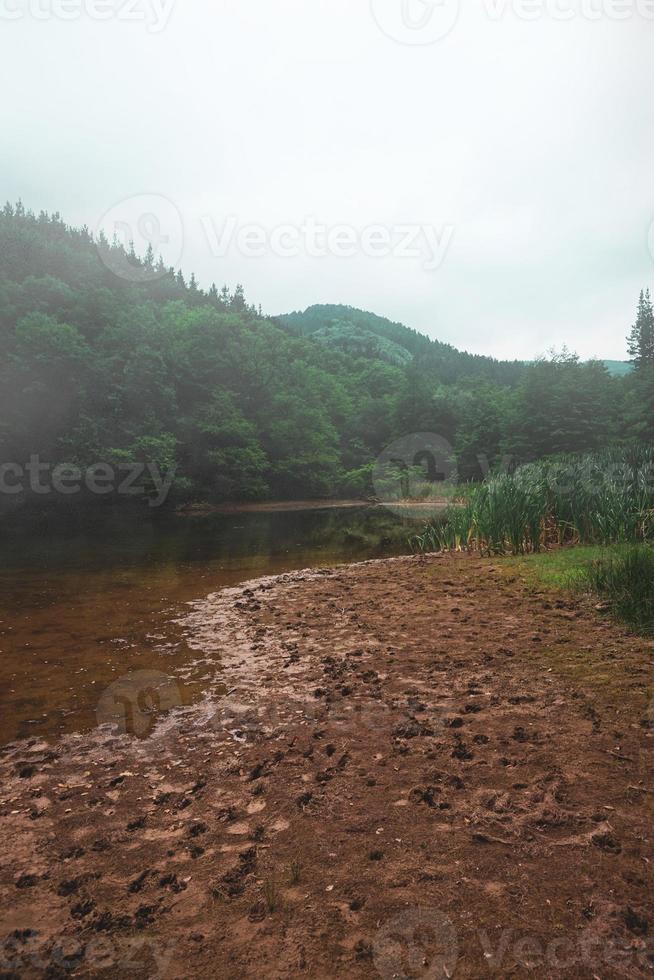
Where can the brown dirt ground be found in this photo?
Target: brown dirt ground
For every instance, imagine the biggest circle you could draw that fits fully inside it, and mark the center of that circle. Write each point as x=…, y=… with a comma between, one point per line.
x=420, y=768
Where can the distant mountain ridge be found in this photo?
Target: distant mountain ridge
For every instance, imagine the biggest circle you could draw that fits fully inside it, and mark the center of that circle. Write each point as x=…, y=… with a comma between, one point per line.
x=618, y=369
x=364, y=334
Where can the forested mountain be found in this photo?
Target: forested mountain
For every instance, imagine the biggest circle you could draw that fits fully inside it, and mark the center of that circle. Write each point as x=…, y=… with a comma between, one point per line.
x=146, y=366
x=366, y=334
x=618, y=369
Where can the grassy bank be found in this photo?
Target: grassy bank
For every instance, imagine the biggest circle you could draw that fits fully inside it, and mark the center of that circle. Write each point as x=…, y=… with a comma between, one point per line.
x=601, y=498
x=621, y=577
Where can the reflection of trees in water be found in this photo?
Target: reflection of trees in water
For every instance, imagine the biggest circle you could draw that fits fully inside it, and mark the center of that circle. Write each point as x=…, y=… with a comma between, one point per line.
x=129, y=538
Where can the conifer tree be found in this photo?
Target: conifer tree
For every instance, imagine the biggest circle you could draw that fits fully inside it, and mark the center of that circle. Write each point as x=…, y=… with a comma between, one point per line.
x=641, y=338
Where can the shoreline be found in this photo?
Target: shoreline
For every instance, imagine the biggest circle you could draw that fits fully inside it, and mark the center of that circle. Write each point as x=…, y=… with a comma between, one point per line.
x=280, y=506
x=403, y=734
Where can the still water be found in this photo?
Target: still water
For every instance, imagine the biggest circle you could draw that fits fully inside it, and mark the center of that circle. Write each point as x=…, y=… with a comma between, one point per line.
x=84, y=602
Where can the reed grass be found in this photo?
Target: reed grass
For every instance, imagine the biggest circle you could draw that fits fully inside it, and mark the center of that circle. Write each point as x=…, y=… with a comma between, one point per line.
x=625, y=579
x=603, y=498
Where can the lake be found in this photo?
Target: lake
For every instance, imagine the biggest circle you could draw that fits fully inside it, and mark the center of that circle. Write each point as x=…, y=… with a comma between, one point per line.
x=86, y=600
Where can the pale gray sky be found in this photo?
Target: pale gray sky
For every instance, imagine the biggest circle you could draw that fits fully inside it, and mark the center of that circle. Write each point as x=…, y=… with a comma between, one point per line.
x=523, y=146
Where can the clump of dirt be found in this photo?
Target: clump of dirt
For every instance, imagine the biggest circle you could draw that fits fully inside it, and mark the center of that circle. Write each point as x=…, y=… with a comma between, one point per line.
x=399, y=779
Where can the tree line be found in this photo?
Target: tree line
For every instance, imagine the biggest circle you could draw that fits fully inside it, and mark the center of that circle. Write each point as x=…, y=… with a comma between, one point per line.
x=152, y=368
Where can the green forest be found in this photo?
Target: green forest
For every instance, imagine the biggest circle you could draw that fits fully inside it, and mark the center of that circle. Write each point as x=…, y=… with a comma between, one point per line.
x=98, y=368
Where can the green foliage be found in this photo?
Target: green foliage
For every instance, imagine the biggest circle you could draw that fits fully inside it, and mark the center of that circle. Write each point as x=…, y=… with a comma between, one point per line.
x=625, y=579
x=599, y=498
x=345, y=326
x=95, y=368
x=641, y=337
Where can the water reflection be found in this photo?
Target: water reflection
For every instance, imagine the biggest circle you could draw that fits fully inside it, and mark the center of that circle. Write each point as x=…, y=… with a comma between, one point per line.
x=85, y=601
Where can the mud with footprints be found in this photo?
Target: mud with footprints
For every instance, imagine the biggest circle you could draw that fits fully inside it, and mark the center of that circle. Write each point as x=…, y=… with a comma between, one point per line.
x=403, y=768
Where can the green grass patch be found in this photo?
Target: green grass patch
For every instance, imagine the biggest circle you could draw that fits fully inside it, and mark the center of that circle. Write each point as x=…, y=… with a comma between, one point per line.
x=622, y=576
x=562, y=568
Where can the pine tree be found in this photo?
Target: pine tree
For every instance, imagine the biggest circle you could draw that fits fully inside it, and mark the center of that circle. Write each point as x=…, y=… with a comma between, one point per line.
x=238, y=299
x=149, y=258
x=641, y=338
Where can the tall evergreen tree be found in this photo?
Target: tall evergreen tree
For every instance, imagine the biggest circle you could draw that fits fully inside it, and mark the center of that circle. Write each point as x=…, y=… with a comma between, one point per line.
x=641, y=338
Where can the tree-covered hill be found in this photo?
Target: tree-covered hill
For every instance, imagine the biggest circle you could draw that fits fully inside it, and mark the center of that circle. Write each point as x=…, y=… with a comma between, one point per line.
x=356, y=331
x=143, y=366
x=618, y=369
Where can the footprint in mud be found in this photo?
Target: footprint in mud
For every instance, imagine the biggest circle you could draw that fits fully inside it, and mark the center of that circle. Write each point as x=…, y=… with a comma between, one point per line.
x=26, y=881
x=197, y=829
x=232, y=884
x=607, y=842
x=137, y=884
x=425, y=794
x=635, y=923
x=82, y=908
x=172, y=883
x=462, y=752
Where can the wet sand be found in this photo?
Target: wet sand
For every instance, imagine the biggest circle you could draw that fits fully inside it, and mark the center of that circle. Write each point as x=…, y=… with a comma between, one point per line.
x=406, y=767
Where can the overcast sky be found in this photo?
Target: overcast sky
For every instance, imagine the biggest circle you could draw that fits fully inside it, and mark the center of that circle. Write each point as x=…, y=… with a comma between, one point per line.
x=511, y=158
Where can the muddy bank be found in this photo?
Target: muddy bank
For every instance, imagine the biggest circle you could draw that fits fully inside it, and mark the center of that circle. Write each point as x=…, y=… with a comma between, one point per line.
x=276, y=506
x=405, y=767
x=271, y=506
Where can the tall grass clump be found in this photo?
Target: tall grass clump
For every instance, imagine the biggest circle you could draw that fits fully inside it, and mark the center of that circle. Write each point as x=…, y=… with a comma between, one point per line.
x=600, y=498
x=625, y=579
